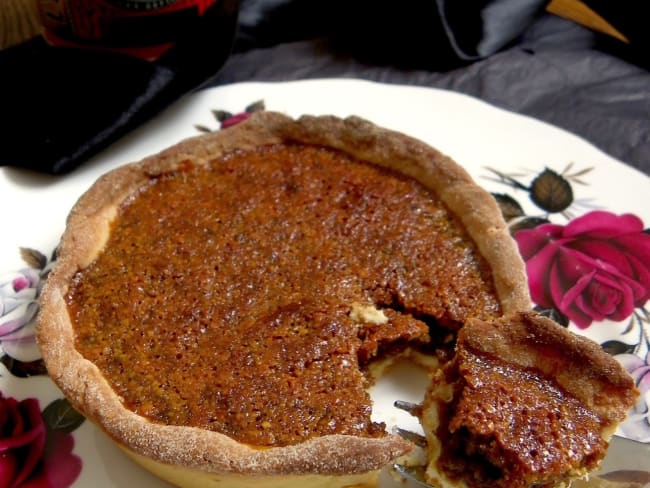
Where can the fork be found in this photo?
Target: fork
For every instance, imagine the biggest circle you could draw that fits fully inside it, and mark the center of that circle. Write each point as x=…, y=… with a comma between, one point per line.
x=638, y=453
x=415, y=474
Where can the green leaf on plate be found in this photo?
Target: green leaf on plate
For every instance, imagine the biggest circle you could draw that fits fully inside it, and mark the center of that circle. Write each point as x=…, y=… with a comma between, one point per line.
x=33, y=258
x=221, y=115
x=617, y=347
x=257, y=106
x=21, y=369
x=60, y=415
x=510, y=208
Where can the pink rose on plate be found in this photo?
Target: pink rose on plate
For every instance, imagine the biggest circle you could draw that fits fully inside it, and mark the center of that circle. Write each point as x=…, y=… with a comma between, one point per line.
x=234, y=119
x=31, y=456
x=596, y=267
x=637, y=424
x=18, y=307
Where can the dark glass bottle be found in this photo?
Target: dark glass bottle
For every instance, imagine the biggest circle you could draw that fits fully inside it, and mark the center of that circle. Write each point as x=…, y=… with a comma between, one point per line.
x=143, y=28
x=72, y=92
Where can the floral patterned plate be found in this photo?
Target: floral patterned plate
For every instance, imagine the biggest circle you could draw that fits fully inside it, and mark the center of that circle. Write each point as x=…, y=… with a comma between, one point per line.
x=580, y=218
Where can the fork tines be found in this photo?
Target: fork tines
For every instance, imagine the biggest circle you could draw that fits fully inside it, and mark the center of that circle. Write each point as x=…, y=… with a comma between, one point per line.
x=413, y=473
x=414, y=437
x=409, y=407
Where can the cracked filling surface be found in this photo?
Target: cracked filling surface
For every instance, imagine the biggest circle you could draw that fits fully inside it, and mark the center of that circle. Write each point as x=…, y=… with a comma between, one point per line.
x=225, y=296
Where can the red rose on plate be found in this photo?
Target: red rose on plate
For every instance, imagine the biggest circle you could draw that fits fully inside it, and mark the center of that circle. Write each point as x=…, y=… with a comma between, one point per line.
x=22, y=439
x=234, y=119
x=30, y=455
x=596, y=267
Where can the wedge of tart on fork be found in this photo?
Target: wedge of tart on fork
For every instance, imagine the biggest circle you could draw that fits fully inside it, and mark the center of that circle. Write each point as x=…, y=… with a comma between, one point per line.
x=524, y=402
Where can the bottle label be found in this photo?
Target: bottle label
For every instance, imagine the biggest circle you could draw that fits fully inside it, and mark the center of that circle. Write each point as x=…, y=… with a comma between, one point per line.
x=143, y=28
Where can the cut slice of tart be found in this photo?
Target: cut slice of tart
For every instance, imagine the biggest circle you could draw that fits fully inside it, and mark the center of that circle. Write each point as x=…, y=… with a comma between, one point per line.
x=523, y=403
x=214, y=307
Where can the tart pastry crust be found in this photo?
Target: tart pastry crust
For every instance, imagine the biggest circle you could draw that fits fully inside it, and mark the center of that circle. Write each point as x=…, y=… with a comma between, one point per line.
x=341, y=459
x=524, y=402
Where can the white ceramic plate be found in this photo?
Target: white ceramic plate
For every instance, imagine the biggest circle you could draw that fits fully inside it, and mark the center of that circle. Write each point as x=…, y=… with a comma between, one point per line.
x=504, y=152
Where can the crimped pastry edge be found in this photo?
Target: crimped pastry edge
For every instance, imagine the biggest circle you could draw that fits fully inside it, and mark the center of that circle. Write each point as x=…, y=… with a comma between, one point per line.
x=88, y=228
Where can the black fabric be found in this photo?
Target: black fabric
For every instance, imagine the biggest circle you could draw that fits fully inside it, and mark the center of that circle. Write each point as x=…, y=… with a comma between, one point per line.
x=433, y=34
x=630, y=18
x=493, y=24
x=555, y=70
x=62, y=105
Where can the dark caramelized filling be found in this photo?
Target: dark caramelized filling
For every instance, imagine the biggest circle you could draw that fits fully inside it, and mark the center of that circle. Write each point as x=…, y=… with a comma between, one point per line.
x=222, y=299
x=511, y=427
